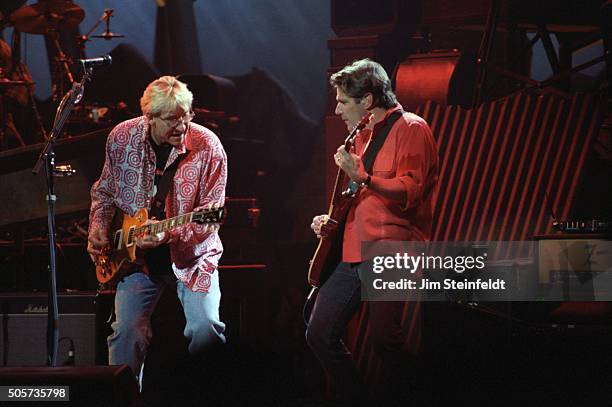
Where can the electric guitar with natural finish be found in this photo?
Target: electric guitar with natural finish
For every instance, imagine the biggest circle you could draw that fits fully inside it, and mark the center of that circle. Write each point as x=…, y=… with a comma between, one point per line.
x=116, y=260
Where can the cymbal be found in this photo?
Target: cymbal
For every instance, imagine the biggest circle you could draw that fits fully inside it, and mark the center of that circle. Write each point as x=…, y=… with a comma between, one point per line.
x=40, y=18
x=108, y=36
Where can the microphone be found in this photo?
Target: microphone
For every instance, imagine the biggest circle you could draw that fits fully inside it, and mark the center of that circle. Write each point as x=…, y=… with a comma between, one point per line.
x=103, y=60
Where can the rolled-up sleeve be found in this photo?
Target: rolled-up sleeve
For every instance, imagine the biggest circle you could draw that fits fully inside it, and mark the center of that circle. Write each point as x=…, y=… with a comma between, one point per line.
x=415, y=160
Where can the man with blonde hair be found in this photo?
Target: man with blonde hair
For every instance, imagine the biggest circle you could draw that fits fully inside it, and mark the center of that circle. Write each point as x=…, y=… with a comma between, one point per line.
x=140, y=152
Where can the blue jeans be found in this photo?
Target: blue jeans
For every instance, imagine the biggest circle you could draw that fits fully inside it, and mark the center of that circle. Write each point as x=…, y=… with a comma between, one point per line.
x=135, y=300
x=337, y=301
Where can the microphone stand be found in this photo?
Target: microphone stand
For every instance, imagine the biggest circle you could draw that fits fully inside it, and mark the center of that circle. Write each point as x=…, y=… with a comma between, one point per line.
x=47, y=156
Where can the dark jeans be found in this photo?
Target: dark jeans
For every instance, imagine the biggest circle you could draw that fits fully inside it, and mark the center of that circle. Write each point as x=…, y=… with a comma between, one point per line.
x=389, y=326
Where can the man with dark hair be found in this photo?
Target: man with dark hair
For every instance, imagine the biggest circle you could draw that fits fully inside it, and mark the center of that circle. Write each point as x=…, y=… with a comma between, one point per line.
x=394, y=204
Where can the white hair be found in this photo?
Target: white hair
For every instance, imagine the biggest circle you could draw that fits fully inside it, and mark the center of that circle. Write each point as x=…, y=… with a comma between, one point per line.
x=165, y=94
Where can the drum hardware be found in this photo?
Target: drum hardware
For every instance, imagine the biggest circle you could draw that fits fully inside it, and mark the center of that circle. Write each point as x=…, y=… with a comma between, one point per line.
x=5, y=85
x=107, y=35
x=62, y=64
x=46, y=16
x=18, y=75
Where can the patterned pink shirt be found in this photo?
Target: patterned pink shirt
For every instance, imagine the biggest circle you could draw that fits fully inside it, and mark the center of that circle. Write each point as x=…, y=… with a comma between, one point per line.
x=127, y=183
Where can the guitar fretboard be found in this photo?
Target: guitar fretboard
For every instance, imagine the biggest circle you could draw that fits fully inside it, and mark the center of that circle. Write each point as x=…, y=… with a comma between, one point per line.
x=163, y=226
x=168, y=224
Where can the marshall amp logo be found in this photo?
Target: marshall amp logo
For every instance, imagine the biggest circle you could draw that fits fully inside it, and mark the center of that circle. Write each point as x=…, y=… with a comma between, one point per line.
x=36, y=309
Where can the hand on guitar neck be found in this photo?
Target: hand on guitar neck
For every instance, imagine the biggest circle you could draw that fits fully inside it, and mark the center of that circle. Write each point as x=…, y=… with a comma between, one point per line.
x=326, y=227
x=351, y=164
x=151, y=240
x=353, y=167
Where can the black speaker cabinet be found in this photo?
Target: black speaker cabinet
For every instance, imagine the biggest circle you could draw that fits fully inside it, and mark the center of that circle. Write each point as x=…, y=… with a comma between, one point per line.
x=87, y=386
x=23, y=327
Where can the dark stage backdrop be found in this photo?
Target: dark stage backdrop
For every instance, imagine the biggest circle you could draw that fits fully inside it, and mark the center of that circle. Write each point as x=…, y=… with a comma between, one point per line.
x=285, y=39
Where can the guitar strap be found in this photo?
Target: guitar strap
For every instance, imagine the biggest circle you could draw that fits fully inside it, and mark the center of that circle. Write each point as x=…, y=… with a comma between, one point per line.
x=157, y=260
x=379, y=139
x=158, y=206
x=376, y=144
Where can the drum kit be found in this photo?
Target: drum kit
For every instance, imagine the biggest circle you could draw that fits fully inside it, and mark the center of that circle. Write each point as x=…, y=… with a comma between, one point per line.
x=48, y=18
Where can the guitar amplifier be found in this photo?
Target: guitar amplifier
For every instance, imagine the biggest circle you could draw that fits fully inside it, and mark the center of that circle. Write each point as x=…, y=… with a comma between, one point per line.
x=23, y=328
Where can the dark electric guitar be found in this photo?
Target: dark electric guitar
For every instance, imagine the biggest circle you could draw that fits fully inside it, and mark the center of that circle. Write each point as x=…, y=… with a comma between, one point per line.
x=329, y=251
x=115, y=261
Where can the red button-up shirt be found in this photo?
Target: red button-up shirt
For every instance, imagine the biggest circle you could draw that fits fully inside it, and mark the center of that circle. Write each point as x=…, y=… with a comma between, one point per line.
x=127, y=183
x=409, y=154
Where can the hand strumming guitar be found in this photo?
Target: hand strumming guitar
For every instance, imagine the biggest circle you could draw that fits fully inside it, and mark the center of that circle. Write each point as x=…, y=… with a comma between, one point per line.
x=97, y=242
x=322, y=225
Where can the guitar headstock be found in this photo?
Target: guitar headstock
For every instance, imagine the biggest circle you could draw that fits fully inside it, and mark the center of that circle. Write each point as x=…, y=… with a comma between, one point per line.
x=216, y=215
x=350, y=140
x=365, y=120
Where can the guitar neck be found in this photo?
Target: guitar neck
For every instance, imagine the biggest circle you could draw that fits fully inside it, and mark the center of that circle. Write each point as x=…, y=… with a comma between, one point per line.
x=341, y=179
x=166, y=224
x=337, y=188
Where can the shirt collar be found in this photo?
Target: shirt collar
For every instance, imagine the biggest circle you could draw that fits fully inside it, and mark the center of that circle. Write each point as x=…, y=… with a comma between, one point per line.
x=387, y=114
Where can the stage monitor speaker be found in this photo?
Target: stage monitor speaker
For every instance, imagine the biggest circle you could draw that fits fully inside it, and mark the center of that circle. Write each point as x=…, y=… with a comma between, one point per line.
x=87, y=386
x=23, y=328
